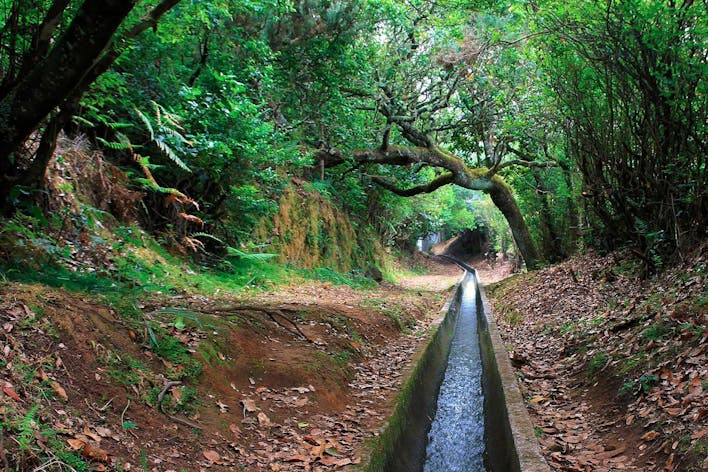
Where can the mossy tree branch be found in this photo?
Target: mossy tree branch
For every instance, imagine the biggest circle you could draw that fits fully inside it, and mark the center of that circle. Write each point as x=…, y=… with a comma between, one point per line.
x=459, y=173
x=430, y=187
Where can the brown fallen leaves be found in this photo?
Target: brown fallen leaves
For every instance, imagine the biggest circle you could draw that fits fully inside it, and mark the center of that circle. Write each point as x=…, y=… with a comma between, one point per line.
x=87, y=444
x=297, y=437
x=584, y=331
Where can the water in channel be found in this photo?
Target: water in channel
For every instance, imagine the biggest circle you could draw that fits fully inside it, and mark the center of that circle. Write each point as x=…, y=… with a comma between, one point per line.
x=456, y=437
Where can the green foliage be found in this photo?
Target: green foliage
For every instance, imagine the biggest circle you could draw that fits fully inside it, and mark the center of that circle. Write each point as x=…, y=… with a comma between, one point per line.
x=173, y=351
x=642, y=385
x=26, y=428
x=629, y=83
x=37, y=442
x=597, y=363
x=656, y=332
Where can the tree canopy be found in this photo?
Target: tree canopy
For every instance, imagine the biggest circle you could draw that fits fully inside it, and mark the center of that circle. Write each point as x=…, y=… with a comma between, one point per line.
x=582, y=121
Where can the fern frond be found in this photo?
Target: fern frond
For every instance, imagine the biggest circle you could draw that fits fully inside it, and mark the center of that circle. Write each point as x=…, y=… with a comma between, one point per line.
x=154, y=186
x=194, y=244
x=146, y=122
x=167, y=151
x=254, y=257
x=177, y=135
x=157, y=107
x=172, y=119
x=120, y=125
x=115, y=145
x=191, y=218
x=83, y=121
x=209, y=236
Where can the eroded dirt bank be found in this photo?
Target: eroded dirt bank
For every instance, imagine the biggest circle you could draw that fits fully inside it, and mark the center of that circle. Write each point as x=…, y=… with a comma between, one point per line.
x=295, y=379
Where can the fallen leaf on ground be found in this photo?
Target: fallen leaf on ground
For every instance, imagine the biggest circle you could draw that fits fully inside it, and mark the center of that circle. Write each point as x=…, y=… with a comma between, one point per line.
x=263, y=420
x=650, y=436
x=249, y=405
x=91, y=435
x=10, y=392
x=212, y=456
x=103, y=432
x=76, y=444
x=329, y=460
x=235, y=430
x=59, y=390
x=94, y=452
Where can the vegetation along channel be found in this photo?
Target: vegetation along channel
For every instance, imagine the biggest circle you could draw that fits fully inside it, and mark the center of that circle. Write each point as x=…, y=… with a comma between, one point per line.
x=227, y=230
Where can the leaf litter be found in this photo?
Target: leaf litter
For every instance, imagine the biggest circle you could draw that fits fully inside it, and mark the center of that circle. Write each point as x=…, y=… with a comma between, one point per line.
x=614, y=369
x=256, y=418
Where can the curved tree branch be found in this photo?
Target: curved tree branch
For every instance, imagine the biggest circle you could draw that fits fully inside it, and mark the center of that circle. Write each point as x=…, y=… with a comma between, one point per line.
x=527, y=160
x=530, y=164
x=459, y=173
x=430, y=187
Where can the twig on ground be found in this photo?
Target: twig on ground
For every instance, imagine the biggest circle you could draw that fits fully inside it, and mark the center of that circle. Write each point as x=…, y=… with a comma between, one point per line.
x=167, y=386
x=122, y=415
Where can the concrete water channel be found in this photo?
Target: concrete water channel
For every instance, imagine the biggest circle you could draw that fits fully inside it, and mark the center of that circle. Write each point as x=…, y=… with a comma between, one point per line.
x=456, y=436
x=461, y=409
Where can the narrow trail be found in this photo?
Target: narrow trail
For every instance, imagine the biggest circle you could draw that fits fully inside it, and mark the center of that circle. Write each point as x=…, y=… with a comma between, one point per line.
x=266, y=399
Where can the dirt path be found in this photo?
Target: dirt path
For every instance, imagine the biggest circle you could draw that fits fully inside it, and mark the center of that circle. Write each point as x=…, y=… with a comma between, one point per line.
x=292, y=380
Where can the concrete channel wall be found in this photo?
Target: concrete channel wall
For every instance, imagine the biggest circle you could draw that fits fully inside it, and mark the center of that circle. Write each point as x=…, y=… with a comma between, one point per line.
x=510, y=438
x=401, y=445
x=511, y=445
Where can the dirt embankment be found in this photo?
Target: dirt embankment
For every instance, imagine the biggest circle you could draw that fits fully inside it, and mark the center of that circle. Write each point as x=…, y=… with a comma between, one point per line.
x=296, y=379
x=614, y=369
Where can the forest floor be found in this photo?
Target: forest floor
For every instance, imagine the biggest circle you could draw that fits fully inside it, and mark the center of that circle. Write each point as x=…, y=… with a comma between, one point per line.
x=297, y=378
x=614, y=368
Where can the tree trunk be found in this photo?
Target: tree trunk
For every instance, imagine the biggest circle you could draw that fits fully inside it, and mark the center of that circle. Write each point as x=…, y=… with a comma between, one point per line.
x=54, y=78
x=551, y=241
x=503, y=198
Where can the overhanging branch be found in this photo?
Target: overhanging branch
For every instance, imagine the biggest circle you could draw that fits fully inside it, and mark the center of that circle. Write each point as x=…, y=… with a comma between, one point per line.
x=526, y=160
x=522, y=163
x=430, y=187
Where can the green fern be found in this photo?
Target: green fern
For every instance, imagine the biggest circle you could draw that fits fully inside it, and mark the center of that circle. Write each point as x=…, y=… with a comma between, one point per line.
x=26, y=428
x=123, y=143
x=82, y=121
x=146, y=122
x=167, y=151
x=150, y=185
x=253, y=257
x=165, y=125
x=237, y=253
x=209, y=236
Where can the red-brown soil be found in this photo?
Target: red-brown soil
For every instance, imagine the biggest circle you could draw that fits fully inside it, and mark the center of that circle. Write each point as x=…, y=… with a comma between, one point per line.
x=295, y=379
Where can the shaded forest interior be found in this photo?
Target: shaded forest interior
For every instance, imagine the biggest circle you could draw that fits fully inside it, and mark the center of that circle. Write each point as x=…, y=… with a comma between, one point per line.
x=161, y=157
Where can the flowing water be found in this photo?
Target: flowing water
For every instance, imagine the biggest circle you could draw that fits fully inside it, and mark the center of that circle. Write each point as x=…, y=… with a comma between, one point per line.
x=456, y=437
